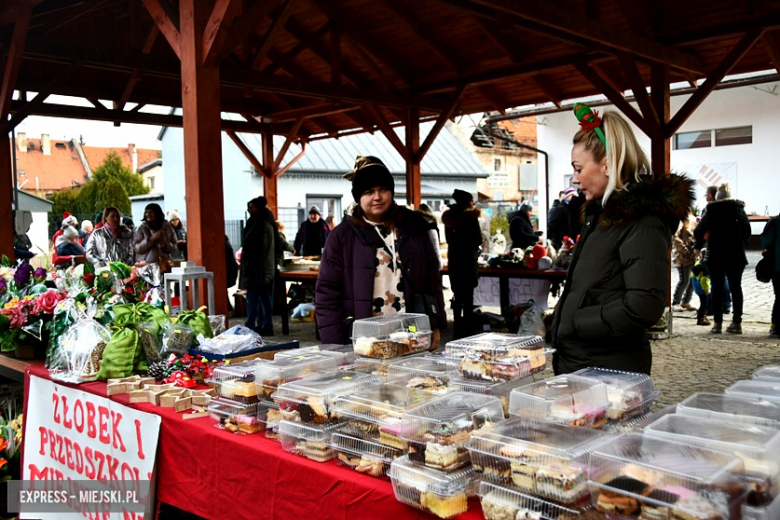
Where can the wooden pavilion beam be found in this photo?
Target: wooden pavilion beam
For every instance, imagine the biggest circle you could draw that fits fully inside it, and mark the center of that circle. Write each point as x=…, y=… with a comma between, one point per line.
x=242, y=28
x=771, y=44
x=289, y=139
x=36, y=102
x=305, y=41
x=284, y=11
x=548, y=88
x=660, y=149
x=244, y=149
x=715, y=77
x=270, y=182
x=637, y=85
x=547, y=17
x=163, y=19
x=497, y=30
x=214, y=35
x=10, y=74
x=413, y=173
x=388, y=131
x=440, y=121
x=202, y=148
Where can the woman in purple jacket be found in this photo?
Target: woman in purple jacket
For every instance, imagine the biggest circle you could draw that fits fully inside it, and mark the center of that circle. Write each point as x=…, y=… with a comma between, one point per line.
x=378, y=261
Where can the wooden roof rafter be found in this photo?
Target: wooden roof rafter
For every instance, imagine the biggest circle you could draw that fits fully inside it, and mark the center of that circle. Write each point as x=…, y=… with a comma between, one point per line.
x=305, y=41
x=167, y=20
x=36, y=102
x=278, y=18
x=13, y=61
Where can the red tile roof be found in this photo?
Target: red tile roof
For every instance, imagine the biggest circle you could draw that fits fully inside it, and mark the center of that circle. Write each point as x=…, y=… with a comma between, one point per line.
x=58, y=171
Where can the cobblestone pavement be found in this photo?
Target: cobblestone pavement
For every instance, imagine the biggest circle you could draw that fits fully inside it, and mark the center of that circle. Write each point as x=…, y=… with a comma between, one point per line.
x=692, y=360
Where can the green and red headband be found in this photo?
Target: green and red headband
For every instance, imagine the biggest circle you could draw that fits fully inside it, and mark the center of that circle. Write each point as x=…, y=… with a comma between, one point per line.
x=589, y=120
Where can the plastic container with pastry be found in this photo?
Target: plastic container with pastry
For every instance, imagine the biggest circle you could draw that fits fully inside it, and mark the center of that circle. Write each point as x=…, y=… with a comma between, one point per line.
x=764, y=389
x=541, y=458
x=738, y=408
x=362, y=455
x=235, y=416
x=378, y=367
x=343, y=353
x=273, y=417
x=438, y=431
x=268, y=376
x=636, y=476
x=386, y=337
x=430, y=373
x=565, y=399
x=502, y=390
x=308, y=440
x=491, y=347
x=443, y=494
x=502, y=503
x=236, y=381
x=630, y=394
x=767, y=372
x=311, y=400
x=757, y=446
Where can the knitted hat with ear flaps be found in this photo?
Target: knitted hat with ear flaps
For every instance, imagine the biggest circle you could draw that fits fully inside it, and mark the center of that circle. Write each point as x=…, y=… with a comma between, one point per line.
x=368, y=173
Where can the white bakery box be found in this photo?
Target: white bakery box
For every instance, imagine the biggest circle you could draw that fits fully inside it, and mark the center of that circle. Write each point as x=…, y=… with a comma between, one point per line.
x=268, y=376
x=767, y=372
x=443, y=494
x=502, y=503
x=761, y=388
x=493, y=356
x=737, y=408
x=502, y=389
x=757, y=446
x=311, y=400
x=363, y=455
x=630, y=394
x=391, y=336
x=539, y=458
x=375, y=413
x=308, y=440
x=437, y=432
x=639, y=476
x=429, y=373
x=565, y=399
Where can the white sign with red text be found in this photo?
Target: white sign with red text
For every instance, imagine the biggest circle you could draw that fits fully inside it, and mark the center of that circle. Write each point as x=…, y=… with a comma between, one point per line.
x=76, y=436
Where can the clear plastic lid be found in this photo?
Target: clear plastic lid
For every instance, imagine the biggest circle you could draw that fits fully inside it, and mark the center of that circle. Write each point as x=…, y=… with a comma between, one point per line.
x=356, y=446
x=235, y=416
x=629, y=393
x=443, y=494
x=757, y=446
x=567, y=399
x=496, y=344
x=390, y=336
x=450, y=419
x=244, y=371
x=763, y=388
x=502, y=389
x=767, y=372
x=499, y=502
x=343, y=353
x=429, y=373
x=732, y=407
x=383, y=404
x=268, y=376
x=655, y=473
x=508, y=368
x=312, y=442
x=547, y=458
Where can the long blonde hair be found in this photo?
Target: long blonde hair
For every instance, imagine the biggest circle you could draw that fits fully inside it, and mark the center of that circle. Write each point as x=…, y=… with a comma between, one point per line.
x=625, y=158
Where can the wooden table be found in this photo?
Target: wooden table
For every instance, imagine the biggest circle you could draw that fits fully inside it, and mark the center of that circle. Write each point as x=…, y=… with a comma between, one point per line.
x=13, y=368
x=504, y=274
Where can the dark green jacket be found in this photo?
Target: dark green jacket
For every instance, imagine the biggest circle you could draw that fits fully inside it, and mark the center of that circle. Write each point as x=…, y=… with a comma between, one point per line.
x=771, y=236
x=618, y=281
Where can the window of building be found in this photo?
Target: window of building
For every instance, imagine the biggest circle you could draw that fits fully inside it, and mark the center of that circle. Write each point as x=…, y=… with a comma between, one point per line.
x=496, y=165
x=686, y=140
x=736, y=135
x=151, y=183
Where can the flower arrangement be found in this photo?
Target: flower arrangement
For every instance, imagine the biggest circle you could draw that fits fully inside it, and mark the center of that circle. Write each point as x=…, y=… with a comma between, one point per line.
x=11, y=428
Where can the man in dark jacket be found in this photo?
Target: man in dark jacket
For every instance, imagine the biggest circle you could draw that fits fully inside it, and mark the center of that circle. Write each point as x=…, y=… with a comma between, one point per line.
x=312, y=234
x=521, y=231
x=258, y=265
x=464, y=238
x=559, y=218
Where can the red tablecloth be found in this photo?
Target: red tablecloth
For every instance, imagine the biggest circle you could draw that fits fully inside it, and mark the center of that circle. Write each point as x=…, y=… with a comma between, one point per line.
x=216, y=474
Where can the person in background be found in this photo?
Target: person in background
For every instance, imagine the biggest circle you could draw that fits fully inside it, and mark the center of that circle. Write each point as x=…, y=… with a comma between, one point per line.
x=770, y=240
x=112, y=242
x=67, y=220
x=521, y=231
x=70, y=246
x=683, y=258
x=559, y=218
x=330, y=221
x=22, y=243
x=258, y=266
x=155, y=239
x=281, y=244
x=433, y=230
x=378, y=261
x=231, y=268
x=98, y=221
x=129, y=224
x=86, y=230
x=709, y=196
x=312, y=234
x=725, y=228
x=613, y=290
x=181, y=235
x=700, y=281
x=464, y=238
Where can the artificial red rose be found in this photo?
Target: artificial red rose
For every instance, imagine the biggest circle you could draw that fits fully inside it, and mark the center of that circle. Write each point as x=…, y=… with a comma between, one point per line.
x=47, y=302
x=89, y=278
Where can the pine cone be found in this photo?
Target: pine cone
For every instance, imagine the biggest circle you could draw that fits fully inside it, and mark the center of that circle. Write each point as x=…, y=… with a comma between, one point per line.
x=158, y=370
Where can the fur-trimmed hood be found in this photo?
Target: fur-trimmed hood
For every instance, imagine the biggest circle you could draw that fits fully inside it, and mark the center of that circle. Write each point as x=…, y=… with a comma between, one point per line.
x=456, y=216
x=669, y=197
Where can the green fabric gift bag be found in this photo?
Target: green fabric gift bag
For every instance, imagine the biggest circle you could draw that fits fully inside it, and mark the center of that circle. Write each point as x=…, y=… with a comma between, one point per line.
x=119, y=355
x=198, y=322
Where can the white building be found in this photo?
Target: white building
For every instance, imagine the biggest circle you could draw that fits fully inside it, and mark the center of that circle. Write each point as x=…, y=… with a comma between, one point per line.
x=730, y=137
x=317, y=177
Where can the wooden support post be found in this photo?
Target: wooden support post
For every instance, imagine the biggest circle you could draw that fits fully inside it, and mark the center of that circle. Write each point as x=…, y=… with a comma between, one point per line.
x=202, y=149
x=6, y=195
x=270, y=185
x=660, y=150
x=413, y=192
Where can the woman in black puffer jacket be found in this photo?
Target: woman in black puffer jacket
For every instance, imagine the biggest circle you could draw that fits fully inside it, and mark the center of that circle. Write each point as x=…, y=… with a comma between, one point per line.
x=618, y=282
